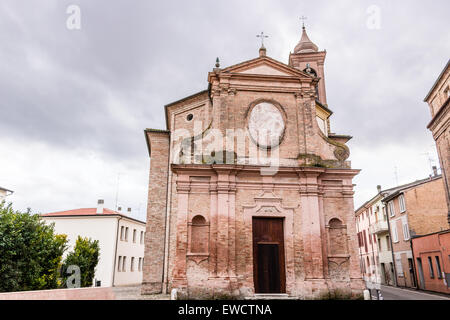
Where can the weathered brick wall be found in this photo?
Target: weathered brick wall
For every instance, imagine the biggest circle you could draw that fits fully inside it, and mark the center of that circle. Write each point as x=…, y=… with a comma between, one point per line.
x=427, y=208
x=156, y=213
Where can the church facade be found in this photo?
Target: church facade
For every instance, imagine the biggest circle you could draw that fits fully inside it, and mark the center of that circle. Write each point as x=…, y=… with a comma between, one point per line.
x=250, y=192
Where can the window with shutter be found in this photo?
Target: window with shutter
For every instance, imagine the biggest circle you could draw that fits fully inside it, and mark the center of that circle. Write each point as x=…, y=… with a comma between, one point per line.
x=394, y=232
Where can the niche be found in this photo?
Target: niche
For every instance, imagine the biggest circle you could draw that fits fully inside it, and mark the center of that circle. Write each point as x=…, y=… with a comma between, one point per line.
x=199, y=239
x=337, y=238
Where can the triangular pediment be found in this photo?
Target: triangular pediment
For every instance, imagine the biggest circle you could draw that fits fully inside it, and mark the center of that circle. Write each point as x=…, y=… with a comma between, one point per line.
x=265, y=66
x=265, y=69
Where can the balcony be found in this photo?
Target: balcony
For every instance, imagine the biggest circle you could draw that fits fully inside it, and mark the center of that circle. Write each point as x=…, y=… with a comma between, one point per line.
x=379, y=227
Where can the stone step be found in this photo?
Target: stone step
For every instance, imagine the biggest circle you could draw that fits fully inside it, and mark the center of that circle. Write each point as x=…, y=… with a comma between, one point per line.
x=269, y=296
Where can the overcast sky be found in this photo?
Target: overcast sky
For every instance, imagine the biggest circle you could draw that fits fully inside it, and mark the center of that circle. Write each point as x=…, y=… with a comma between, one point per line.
x=74, y=103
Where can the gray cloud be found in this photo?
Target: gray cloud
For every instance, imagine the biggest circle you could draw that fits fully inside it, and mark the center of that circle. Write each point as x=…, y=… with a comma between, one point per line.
x=97, y=88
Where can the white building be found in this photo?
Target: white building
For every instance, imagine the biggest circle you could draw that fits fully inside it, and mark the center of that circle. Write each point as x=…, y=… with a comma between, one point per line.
x=374, y=243
x=4, y=193
x=121, y=241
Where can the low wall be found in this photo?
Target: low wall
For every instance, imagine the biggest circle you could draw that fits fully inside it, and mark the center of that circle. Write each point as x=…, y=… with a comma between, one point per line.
x=62, y=294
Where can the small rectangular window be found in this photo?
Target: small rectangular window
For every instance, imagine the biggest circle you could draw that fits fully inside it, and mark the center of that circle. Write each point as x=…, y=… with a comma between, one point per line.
x=394, y=232
x=134, y=236
x=438, y=268
x=391, y=209
x=142, y=237
x=430, y=266
x=126, y=234
x=401, y=200
x=405, y=231
x=119, y=264
x=140, y=265
x=132, y=264
x=124, y=264
x=121, y=233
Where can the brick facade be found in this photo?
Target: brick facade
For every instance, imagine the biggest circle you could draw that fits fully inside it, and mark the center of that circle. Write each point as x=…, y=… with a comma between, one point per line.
x=214, y=194
x=158, y=143
x=438, y=100
x=425, y=211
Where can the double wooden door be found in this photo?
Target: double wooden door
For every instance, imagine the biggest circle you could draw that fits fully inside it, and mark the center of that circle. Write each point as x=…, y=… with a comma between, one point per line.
x=268, y=255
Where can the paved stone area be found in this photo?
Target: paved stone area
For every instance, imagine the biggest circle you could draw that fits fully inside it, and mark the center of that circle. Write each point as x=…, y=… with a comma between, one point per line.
x=134, y=293
x=394, y=293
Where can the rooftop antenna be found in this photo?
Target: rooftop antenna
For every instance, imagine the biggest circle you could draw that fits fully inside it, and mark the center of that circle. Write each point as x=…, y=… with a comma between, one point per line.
x=430, y=160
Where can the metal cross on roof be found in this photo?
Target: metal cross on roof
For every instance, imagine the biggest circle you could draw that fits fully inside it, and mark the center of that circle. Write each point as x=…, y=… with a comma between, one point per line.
x=303, y=18
x=262, y=36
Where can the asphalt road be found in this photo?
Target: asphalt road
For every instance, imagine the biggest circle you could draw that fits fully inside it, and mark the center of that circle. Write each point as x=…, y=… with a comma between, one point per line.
x=394, y=293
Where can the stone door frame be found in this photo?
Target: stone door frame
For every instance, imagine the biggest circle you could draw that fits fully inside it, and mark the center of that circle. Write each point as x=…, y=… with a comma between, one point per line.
x=268, y=205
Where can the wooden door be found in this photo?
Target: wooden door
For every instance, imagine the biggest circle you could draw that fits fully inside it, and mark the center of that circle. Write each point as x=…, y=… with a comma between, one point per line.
x=268, y=255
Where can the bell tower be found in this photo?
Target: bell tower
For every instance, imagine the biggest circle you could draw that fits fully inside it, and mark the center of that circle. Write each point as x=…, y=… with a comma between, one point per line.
x=307, y=57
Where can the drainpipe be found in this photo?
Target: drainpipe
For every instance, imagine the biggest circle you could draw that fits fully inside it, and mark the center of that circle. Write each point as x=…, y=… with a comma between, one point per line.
x=413, y=262
x=392, y=245
x=115, y=251
x=371, y=242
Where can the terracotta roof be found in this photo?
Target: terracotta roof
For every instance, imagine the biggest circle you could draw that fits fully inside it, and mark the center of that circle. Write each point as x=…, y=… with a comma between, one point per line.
x=400, y=189
x=392, y=192
x=4, y=189
x=87, y=212
x=80, y=212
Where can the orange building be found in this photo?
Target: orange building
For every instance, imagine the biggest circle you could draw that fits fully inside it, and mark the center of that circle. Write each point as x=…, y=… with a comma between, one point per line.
x=432, y=259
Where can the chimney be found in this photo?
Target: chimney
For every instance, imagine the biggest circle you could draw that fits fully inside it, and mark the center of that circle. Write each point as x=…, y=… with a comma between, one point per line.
x=119, y=209
x=435, y=172
x=129, y=211
x=379, y=188
x=100, y=204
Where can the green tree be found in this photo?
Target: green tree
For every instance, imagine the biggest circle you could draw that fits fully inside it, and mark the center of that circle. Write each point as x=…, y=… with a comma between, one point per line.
x=30, y=251
x=84, y=255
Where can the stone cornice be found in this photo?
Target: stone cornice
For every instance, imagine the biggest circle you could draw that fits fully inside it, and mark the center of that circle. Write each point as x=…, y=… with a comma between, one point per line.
x=439, y=115
x=202, y=169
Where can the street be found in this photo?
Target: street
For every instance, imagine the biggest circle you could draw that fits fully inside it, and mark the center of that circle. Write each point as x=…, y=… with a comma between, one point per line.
x=394, y=293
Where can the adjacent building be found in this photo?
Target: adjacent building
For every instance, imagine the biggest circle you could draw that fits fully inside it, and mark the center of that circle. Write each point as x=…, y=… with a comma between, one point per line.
x=438, y=100
x=415, y=209
x=374, y=241
x=121, y=241
x=4, y=193
x=250, y=191
x=432, y=259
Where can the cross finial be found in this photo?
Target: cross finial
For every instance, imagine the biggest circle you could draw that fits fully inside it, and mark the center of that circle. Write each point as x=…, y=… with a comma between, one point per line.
x=303, y=18
x=262, y=36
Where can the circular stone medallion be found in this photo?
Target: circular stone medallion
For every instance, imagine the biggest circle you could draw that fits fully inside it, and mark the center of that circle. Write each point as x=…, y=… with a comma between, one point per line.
x=266, y=125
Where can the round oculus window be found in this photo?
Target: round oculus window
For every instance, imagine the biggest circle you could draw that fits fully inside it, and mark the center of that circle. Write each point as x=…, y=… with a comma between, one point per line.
x=266, y=125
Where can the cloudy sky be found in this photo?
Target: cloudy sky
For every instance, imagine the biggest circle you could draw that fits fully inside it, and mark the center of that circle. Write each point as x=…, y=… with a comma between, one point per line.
x=74, y=102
